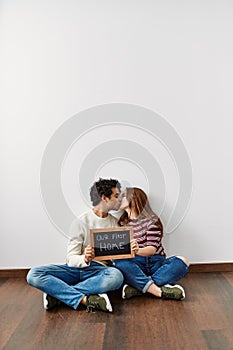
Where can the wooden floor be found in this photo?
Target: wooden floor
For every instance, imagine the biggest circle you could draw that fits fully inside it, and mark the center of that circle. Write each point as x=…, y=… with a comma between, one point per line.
x=204, y=320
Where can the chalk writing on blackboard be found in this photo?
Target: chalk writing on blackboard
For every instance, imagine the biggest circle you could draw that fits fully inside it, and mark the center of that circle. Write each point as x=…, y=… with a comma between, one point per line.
x=112, y=243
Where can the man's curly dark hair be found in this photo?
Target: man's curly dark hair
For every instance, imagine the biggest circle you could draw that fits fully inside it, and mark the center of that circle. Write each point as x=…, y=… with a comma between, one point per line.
x=103, y=186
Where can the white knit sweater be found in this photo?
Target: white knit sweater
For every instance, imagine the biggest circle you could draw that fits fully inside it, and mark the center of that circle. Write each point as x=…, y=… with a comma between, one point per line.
x=79, y=237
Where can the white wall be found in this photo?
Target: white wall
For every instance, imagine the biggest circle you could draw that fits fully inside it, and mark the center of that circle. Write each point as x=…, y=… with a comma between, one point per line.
x=61, y=57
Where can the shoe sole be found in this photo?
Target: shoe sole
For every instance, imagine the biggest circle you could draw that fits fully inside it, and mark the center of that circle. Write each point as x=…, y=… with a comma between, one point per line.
x=179, y=287
x=45, y=301
x=108, y=304
x=48, y=301
x=123, y=291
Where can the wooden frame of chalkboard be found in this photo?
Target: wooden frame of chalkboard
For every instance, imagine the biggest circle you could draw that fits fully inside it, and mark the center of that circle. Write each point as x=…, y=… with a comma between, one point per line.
x=112, y=243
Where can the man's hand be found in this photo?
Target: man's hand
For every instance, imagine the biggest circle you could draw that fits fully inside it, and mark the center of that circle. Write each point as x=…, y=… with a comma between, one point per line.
x=89, y=254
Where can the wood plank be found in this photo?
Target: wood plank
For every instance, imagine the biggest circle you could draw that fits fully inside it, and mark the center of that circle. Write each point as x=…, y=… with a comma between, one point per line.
x=57, y=333
x=37, y=328
x=218, y=339
x=202, y=321
x=153, y=324
x=203, y=293
x=229, y=277
x=2, y=281
x=16, y=299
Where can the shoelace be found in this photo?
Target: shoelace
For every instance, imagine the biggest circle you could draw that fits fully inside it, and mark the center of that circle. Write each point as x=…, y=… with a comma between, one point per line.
x=92, y=307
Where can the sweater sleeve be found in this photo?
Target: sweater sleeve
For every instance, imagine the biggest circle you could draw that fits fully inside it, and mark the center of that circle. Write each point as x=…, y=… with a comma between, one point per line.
x=154, y=234
x=77, y=244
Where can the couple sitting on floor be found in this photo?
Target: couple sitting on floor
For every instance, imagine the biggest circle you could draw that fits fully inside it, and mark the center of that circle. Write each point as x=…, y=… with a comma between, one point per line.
x=84, y=281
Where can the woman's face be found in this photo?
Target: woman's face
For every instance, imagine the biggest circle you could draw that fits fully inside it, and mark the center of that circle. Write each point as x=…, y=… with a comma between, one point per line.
x=124, y=202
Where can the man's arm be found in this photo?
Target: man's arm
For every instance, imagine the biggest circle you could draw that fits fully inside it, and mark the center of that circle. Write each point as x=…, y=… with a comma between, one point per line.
x=77, y=244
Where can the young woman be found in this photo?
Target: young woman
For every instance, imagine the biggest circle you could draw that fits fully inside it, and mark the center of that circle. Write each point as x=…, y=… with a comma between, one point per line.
x=150, y=271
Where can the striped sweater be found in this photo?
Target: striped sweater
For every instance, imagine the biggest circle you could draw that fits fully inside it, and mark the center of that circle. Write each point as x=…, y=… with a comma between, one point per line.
x=148, y=232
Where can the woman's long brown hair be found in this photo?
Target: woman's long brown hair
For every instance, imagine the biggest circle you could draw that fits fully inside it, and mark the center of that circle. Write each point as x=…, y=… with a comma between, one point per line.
x=139, y=204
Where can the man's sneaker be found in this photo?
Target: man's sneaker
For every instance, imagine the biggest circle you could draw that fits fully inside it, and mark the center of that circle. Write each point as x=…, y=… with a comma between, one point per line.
x=98, y=302
x=130, y=292
x=175, y=292
x=49, y=301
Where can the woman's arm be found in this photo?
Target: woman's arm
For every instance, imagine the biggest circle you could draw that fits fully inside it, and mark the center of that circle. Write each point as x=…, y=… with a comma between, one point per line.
x=146, y=251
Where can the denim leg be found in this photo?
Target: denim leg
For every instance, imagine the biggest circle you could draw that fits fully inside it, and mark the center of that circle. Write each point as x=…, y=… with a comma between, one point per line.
x=104, y=279
x=57, y=280
x=134, y=272
x=62, y=281
x=171, y=270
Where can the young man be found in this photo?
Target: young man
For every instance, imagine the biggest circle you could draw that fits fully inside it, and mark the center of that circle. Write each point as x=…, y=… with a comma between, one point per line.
x=82, y=280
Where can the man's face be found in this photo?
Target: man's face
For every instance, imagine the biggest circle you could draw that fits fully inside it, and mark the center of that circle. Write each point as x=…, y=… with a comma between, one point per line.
x=114, y=201
x=124, y=202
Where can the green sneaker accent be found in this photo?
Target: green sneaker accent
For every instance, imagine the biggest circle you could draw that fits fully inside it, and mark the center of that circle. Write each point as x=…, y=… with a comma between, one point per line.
x=172, y=292
x=130, y=292
x=98, y=302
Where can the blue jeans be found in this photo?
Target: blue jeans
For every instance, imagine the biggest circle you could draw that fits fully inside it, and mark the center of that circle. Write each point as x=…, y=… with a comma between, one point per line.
x=140, y=272
x=71, y=284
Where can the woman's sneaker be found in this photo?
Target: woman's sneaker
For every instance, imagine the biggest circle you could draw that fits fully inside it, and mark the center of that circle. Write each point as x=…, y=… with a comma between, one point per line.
x=175, y=292
x=49, y=301
x=129, y=292
x=98, y=302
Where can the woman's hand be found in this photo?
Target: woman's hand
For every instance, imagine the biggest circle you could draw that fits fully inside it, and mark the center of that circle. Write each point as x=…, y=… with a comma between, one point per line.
x=134, y=246
x=89, y=254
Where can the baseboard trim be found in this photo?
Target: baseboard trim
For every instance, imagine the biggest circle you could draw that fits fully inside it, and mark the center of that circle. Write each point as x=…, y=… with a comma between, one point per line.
x=202, y=267
x=211, y=267
x=14, y=273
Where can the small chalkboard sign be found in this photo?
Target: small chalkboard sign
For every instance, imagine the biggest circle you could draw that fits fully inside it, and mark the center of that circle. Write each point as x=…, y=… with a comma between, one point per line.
x=112, y=243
